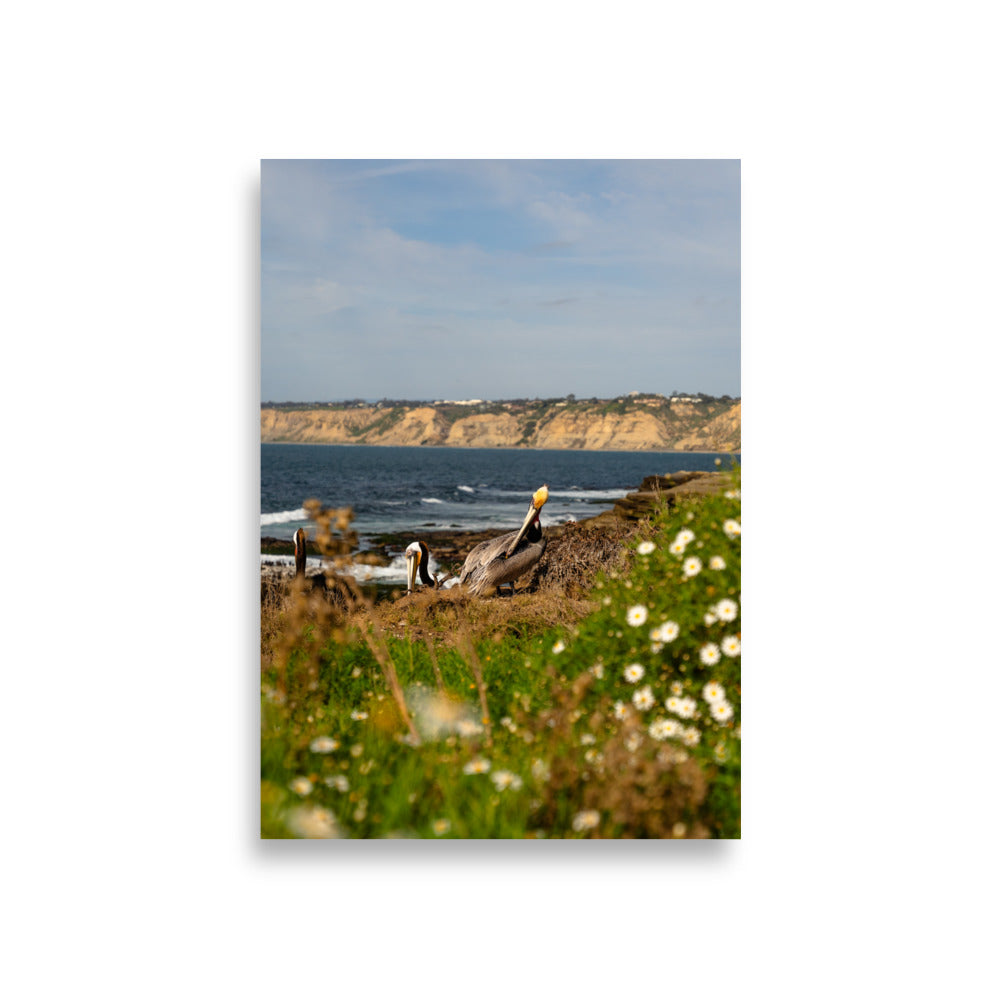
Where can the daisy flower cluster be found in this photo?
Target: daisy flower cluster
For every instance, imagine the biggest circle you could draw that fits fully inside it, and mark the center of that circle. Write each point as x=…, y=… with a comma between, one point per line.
x=669, y=633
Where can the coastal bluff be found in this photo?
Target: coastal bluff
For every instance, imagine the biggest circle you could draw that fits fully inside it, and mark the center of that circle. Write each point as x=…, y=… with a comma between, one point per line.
x=631, y=423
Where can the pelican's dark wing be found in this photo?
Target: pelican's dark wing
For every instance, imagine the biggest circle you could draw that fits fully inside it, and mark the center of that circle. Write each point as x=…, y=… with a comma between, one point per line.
x=483, y=554
x=487, y=575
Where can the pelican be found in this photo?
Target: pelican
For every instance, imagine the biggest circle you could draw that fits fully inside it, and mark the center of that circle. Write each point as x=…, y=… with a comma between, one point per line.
x=418, y=557
x=300, y=552
x=504, y=559
x=316, y=580
x=339, y=590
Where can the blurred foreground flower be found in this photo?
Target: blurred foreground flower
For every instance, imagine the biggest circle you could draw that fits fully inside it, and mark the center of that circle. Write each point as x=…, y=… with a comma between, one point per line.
x=586, y=820
x=505, y=779
x=437, y=715
x=313, y=823
x=323, y=744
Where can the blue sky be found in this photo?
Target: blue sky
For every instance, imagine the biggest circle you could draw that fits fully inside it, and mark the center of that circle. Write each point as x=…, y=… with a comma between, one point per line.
x=494, y=279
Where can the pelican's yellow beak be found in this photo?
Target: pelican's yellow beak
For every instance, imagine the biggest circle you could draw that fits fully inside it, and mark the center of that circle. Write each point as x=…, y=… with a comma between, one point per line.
x=537, y=499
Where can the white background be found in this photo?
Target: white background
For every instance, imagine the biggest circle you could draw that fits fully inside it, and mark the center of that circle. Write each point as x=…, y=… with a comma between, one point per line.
x=131, y=864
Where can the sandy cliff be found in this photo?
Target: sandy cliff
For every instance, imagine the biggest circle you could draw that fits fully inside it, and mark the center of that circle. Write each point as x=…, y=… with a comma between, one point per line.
x=649, y=424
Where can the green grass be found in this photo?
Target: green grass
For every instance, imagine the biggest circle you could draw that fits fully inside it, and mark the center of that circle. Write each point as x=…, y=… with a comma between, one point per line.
x=562, y=749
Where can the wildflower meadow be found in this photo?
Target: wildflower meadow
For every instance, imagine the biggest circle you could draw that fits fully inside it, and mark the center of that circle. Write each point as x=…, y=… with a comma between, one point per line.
x=617, y=717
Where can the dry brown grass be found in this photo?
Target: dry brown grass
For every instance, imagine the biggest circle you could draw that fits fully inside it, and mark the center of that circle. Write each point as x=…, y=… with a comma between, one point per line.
x=576, y=553
x=441, y=616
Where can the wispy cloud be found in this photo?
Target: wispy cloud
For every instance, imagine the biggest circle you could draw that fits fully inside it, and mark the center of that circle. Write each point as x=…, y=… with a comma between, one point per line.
x=572, y=276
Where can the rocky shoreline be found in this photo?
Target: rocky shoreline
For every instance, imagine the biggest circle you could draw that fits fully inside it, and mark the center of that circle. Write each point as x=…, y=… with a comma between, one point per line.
x=603, y=534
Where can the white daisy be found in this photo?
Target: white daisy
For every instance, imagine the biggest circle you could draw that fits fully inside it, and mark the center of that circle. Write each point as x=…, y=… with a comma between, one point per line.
x=633, y=673
x=663, y=729
x=633, y=742
x=323, y=744
x=722, y=711
x=677, y=547
x=684, y=707
x=691, y=736
x=559, y=646
x=643, y=699
x=716, y=562
x=586, y=820
x=587, y=739
x=597, y=670
x=731, y=528
x=692, y=566
x=540, y=770
x=709, y=654
x=621, y=711
x=644, y=548
x=504, y=780
x=685, y=535
x=636, y=615
x=666, y=632
x=677, y=688
x=732, y=494
x=710, y=619
x=713, y=692
x=358, y=716
x=441, y=827
x=467, y=728
x=476, y=766
x=727, y=610
x=656, y=647
x=313, y=824
x=731, y=645
x=338, y=781
x=301, y=785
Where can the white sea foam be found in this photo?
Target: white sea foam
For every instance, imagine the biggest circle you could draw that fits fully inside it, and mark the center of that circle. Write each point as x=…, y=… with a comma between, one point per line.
x=284, y=517
x=430, y=500
x=466, y=489
x=577, y=494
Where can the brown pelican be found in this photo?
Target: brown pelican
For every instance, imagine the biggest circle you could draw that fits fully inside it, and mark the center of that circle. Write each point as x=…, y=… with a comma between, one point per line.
x=300, y=552
x=316, y=580
x=418, y=557
x=504, y=559
x=337, y=589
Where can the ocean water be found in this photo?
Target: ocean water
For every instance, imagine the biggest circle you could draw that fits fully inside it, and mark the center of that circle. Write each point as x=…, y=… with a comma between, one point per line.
x=425, y=489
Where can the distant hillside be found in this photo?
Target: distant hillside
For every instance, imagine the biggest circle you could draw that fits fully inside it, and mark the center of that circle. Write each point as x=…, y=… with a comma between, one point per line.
x=627, y=423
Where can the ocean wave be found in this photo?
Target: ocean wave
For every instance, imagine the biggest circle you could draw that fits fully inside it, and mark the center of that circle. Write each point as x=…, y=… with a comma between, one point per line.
x=466, y=489
x=430, y=500
x=570, y=493
x=575, y=493
x=284, y=517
